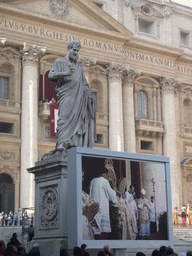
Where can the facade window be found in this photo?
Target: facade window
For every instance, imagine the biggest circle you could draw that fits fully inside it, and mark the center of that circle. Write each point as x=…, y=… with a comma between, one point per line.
x=146, y=145
x=99, y=138
x=4, y=87
x=184, y=38
x=146, y=26
x=142, y=103
x=6, y=128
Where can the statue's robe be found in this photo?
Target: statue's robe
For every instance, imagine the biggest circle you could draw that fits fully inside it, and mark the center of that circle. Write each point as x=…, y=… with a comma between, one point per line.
x=76, y=124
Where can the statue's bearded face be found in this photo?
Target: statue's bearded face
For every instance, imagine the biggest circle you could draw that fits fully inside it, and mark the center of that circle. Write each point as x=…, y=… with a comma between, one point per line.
x=73, y=54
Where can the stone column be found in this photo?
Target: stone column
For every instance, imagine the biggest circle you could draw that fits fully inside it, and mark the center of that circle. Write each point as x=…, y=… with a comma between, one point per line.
x=170, y=137
x=116, y=134
x=29, y=121
x=128, y=111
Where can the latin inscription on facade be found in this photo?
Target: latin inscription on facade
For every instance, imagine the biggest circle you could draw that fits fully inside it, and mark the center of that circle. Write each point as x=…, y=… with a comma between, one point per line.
x=48, y=33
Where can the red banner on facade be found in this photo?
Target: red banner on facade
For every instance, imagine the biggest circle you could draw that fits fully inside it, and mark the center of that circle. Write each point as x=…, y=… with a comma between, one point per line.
x=53, y=120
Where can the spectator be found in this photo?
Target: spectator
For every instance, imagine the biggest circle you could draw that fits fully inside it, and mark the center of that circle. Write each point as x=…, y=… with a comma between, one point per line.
x=14, y=241
x=84, y=250
x=107, y=250
x=63, y=252
x=77, y=251
x=21, y=251
x=189, y=253
x=26, y=218
x=101, y=253
x=2, y=219
x=32, y=220
x=140, y=254
x=162, y=250
x=35, y=250
x=2, y=248
x=169, y=251
x=10, y=218
x=11, y=251
x=6, y=219
x=15, y=219
x=21, y=219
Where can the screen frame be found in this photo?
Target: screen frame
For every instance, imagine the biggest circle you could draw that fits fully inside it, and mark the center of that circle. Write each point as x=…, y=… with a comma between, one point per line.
x=74, y=198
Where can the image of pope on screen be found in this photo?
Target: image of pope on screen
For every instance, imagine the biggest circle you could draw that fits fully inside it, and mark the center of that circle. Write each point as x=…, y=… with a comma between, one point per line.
x=123, y=200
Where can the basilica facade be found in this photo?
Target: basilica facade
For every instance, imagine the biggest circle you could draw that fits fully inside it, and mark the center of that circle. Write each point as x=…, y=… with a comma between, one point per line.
x=137, y=58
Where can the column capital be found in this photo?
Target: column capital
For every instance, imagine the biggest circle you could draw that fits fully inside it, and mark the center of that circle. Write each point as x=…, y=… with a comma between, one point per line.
x=115, y=72
x=129, y=77
x=31, y=54
x=87, y=62
x=169, y=85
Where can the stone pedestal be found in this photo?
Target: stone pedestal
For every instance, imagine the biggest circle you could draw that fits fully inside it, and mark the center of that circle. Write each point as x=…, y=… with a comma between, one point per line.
x=50, y=203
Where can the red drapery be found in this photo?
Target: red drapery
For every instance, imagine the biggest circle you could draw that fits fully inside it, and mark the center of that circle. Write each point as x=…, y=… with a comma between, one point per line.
x=136, y=177
x=46, y=88
x=49, y=88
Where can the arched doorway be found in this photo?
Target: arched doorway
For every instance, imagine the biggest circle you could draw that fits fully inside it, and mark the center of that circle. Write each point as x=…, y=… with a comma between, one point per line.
x=7, y=193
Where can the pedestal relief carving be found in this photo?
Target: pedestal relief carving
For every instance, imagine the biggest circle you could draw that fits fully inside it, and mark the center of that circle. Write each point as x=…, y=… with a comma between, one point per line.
x=59, y=8
x=49, y=208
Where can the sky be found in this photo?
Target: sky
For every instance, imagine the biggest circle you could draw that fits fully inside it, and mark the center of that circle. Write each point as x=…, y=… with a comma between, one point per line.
x=184, y=2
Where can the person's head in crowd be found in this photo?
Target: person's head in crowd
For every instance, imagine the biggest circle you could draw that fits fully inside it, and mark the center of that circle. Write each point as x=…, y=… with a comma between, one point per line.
x=140, y=254
x=63, y=252
x=2, y=243
x=106, y=248
x=77, y=251
x=169, y=251
x=189, y=253
x=35, y=250
x=162, y=249
x=14, y=235
x=152, y=199
x=83, y=247
x=101, y=253
x=155, y=253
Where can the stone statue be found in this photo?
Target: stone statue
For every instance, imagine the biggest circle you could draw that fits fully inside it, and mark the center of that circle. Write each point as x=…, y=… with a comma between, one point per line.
x=76, y=125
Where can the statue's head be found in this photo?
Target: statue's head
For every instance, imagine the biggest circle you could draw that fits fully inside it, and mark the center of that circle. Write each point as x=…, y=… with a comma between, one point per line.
x=73, y=48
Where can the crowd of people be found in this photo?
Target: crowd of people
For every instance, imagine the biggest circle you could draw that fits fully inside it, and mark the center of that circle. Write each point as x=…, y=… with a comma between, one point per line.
x=13, y=219
x=15, y=248
x=183, y=218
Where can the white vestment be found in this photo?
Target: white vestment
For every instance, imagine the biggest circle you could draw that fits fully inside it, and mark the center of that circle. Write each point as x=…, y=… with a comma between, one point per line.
x=152, y=212
x=132, y=202
x=101, y=192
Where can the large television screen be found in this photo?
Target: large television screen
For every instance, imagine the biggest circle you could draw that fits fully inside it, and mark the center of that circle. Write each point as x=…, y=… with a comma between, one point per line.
x=118, y=198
